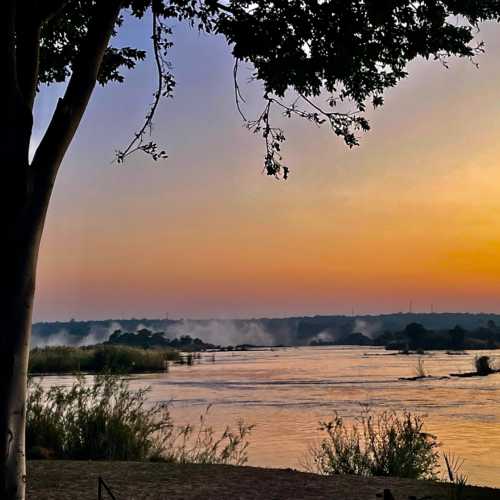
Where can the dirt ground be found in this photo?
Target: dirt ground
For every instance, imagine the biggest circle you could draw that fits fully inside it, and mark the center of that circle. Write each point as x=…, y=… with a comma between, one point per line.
x=65, y=480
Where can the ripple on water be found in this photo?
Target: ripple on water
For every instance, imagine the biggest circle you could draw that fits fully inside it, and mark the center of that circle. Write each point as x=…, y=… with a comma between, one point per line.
x=286, y=392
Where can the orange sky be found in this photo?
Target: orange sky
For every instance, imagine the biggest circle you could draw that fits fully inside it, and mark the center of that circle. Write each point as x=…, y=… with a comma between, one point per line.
x=413, y=213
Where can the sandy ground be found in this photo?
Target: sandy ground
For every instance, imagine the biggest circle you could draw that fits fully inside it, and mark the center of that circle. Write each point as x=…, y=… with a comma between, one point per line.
x=65, y=480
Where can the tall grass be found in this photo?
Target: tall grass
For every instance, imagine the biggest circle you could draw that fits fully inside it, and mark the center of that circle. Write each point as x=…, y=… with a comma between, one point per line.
x=389, y=444
x=420, y=369
x=457, y=479
x=105, y=420
x=202, y=445
x=100, y=359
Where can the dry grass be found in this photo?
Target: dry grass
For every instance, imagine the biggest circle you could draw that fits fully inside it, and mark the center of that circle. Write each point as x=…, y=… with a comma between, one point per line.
x=68, y=480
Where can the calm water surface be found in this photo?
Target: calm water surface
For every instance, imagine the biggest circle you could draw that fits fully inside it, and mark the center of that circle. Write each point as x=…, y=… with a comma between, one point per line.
x=285, y=392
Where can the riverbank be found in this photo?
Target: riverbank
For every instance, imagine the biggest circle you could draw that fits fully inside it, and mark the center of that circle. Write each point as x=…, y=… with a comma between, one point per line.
x=65, y=480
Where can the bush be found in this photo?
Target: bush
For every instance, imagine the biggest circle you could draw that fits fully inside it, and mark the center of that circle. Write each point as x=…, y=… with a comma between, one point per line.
x=389, y=444
x=105, y=420
x=100, y=359
x=483, y=365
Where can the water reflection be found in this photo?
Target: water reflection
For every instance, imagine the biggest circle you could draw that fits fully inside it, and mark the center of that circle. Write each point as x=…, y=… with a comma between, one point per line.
x=285, y=393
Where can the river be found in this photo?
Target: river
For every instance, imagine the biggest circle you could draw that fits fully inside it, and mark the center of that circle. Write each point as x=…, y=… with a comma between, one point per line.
x=285, y=392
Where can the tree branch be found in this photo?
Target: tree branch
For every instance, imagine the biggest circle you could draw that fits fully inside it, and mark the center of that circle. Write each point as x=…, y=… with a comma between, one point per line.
x=71, y=107
x=224, y=8
x=164, y=88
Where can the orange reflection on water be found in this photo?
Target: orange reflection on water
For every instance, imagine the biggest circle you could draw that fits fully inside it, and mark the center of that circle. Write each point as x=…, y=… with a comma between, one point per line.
x=286, y=392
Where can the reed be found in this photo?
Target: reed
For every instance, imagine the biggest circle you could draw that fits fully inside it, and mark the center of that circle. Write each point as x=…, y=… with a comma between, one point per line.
x=455, y=476
x=100, y=359
x=420, y=369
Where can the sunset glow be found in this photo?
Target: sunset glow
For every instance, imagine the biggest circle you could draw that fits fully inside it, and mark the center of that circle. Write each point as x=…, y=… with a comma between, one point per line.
x=412, y=214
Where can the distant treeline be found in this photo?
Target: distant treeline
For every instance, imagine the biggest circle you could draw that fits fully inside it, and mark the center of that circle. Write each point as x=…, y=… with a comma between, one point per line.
x=293, y=331
x=147, y=339
x=100, y=359
x=416, y=337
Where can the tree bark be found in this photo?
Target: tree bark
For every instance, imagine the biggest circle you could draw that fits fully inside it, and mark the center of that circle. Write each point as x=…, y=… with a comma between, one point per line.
x=20, y=247
x=16, y=295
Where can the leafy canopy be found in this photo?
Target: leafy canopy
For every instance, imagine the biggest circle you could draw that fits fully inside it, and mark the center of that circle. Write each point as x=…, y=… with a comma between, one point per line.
x=348, y=51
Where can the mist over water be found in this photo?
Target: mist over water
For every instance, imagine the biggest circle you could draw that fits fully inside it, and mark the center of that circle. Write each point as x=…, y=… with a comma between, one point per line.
x=285, y=392
x=223, y=332
x=292, y=331
x=96, y=335
x=218, y=332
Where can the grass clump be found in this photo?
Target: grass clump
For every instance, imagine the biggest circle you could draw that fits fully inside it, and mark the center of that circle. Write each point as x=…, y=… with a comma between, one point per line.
x=455, y=476
x=105, y=420
x=202, y=445
x=389, y=444
x=100, y=359
x=420, y=369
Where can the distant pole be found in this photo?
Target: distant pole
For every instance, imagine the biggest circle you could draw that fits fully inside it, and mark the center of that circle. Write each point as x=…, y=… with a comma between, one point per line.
x=410, y=308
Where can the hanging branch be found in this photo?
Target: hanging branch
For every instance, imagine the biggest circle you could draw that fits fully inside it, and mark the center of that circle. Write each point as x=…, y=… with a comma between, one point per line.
x=237, y=93
x=342, y=124
x=165, y=86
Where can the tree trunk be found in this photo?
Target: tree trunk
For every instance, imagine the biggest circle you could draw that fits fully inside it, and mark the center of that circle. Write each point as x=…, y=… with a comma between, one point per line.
x=24, y=198
x=16, y=298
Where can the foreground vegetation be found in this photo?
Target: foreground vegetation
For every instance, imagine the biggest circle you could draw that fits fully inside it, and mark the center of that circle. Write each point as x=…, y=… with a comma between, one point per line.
x=100, y=359
x=105, y=420
x=389, y=444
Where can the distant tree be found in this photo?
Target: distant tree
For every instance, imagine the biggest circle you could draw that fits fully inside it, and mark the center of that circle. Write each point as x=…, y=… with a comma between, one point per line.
x=457, y=335
x=344, y=52
x=158, y=338
x=415, y=333
x=144, y=335
x=114, y=336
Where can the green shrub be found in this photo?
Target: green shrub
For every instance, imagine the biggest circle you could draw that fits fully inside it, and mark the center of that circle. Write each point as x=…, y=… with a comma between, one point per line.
x=389, y=444
x=105, y=420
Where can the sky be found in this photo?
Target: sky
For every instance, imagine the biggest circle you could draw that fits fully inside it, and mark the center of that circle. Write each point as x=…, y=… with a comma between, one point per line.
x=412, y=214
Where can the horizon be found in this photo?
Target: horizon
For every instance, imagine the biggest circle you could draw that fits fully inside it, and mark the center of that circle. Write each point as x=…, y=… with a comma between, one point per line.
x=258, y=318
